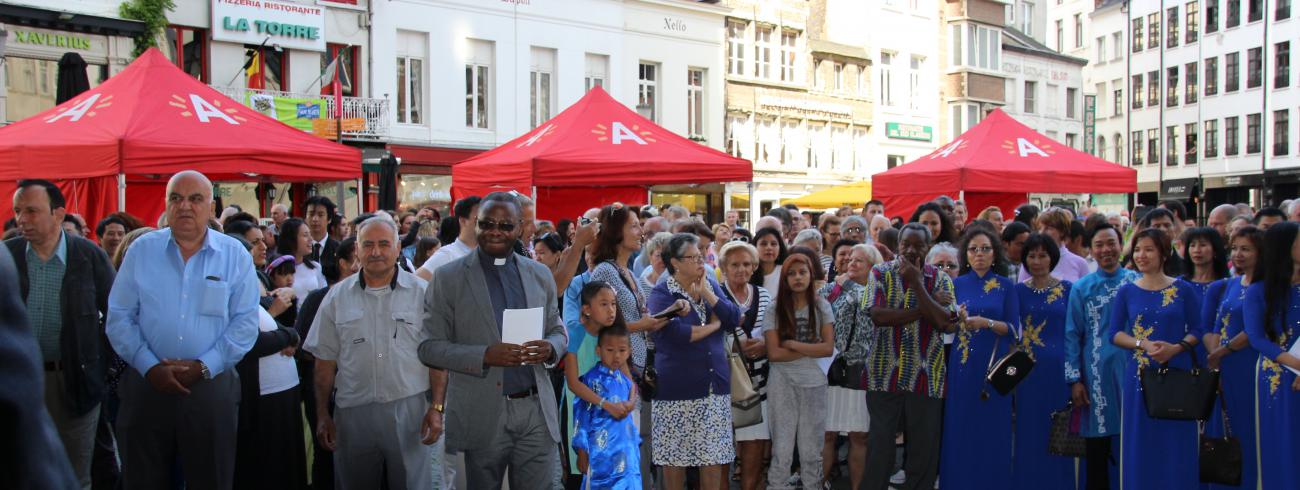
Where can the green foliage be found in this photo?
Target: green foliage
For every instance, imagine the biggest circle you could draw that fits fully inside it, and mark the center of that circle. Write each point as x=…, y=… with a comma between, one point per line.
x=154, y=15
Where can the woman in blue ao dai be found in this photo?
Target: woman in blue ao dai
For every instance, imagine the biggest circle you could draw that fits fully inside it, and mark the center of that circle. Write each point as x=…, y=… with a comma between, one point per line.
x=1043, y=300
x=977, y=428
x=1272, y=321
x=1157, y=318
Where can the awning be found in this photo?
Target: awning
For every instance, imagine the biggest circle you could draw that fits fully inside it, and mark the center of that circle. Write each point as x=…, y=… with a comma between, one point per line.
x=1178, y=188
x=855, y=194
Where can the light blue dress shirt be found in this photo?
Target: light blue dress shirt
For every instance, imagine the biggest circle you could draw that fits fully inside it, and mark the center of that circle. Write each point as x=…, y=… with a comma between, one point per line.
x=164, y=307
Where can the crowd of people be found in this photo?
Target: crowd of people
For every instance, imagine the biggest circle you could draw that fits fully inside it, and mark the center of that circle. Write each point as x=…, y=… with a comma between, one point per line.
x=658, y=351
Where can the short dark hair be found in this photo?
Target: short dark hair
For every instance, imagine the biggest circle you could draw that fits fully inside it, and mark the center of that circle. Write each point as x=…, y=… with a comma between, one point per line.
x=1152, y=214
x=67, y=218
x=916, y=227
x=465, y=207
x=1014, y=229
x=611, y=331
x=999, y=266
x=1100, y=227
x=783, y=214
x=675, y=244
x=356, y=222
x=1219, y=259
x=240, y=216
x=875, y=201
x=238, y=227
x=947, y=231
x=1045, y=243
x=1271, y=212
x=1076, y=229
x=1177, y=207
x=551, y=240
x=500, y=198
x=56, y=196
x=1027, y=213
x=322, y=201
x=110, y=220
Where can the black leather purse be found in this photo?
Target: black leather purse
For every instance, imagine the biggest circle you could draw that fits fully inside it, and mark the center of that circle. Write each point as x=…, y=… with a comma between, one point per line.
x=1220, y=457
x=1064, y=439
x=1177, y=394
x=647, y=380
x=1008, y=371
x=843, y=374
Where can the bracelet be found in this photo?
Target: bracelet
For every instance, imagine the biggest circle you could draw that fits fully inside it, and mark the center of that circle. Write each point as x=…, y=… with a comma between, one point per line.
x=990, y=323
x=1187, y=347
x=602, y=403
x=1138, y=345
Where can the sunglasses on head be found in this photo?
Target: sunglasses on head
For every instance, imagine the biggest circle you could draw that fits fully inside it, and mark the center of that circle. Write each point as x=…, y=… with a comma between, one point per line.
x=489, y=225
x=740, y=238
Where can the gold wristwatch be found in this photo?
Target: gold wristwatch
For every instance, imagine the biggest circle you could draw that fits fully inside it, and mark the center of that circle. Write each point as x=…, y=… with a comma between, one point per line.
x=438, y=407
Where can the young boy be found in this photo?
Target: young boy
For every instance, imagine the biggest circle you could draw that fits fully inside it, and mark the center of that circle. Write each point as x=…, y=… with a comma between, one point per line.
x=607, y=445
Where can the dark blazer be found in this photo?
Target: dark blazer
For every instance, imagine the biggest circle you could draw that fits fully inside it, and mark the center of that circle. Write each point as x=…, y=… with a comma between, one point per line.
x=328, y=259
x=82, y=343
x=34, y=456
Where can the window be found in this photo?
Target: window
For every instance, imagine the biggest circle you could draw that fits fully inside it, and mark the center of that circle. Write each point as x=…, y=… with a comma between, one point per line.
x=1211, y=76
x=1212, y=15
x=1072, y=140
x=1153, y=89
x=270, y=68
x=789, y=53
x=1119, y=149
x=1153, y=30
x=1191, y=71
x=478, y=85
x=1101, y=49
x=1256, y=11
x=347, y=69
x=1281, y=132
x=887, y=79
x=1190, y=134
x=1137, y=147
x=1118, y=102
x=1231, y=72
x=819, y=80
x=1234, y=14
x=1193, y=19
x=1137, y=35
x=976, y=46
x=1117, y=46
x=1252, y=133
x=541, y=90
x=597, y=71
x=695, y=103
x=1027, y=19
x=411, y=49
x=1283, y=10
x=1137, y=91
x=963, y=117
x=1101, y=147
x=914, y=96
x=1030, y=88
x=1060, y=35
x=862, y=81
x=1254, y=67
x=763, y=52
x=1171, y=145
x=1153, y=145
x=1070, y=95
x=1282, y=62
x=1171, y=34
x=1212, y=138
x=1052, y=99
x=839, y=77
x=1230, y=136
x=1078, y=30
x=1171, y=86
x=187, y=47
x=892, y=161
x=647, y=100
x=736, y=46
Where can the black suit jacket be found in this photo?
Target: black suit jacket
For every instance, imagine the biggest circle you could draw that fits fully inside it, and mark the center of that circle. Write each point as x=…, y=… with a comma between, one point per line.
x=328, y=259
x=34, y=456
x=82, y=342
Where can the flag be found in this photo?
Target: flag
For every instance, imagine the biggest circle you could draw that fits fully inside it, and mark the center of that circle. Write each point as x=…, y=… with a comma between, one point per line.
x=331, y=73
x=253, y=68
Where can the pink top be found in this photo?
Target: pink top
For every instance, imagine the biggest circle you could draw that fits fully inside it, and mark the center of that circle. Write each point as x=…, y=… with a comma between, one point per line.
x=1071, y=267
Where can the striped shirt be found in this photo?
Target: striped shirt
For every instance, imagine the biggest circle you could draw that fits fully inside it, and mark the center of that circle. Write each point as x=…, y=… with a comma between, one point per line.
x=751, y=327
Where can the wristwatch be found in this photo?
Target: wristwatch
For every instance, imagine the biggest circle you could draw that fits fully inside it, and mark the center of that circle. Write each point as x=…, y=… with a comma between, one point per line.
x=438, y=407
x=203, y=370
x=1138, y=345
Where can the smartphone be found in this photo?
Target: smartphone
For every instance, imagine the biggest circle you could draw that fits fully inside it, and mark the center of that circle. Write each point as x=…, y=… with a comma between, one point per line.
x=667, y=313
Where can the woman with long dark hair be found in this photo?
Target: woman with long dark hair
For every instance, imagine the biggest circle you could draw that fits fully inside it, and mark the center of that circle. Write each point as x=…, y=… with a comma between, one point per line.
x=1158, y=318
x=977, y=421
x=1272, y=321
x=1205, y=259
x=1225, y=338
x=771, y=254
x=295, y=241
x=933, y=216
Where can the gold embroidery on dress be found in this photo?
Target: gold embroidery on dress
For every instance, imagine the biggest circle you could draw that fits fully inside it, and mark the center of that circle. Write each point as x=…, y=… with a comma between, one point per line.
x=1057, y=292
x=1032, y=336
x=963, y=344
x=1141, y=332
x=1170, y=294
x=991, y=284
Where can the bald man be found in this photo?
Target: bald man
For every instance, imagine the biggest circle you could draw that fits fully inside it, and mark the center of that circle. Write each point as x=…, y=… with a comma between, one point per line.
x=182, y=312
x=1220, y=217
x=770, y=222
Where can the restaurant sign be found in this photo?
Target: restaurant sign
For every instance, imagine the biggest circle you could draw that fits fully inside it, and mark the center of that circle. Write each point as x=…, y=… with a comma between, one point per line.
x=914, y=132
x=288, y=25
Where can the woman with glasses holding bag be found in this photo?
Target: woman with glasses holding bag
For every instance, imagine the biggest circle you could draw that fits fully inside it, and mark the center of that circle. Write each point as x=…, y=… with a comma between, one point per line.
x=976, y=450
x=737, y=261
x=846, y=404
x=1157, y=317
x=1273, y=325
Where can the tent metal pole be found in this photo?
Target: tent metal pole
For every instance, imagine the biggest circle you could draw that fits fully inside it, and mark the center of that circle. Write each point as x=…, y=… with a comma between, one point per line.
x=121, y=192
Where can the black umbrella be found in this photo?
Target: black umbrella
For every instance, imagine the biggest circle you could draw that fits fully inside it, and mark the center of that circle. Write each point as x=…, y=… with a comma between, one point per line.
x=388, y=182
x=72, y=77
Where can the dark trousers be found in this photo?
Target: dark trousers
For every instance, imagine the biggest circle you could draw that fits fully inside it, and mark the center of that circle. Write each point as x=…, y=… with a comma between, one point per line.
x=322, y=465
x=921, y=431
x=156, y=431
x=271, y=453
x=1097, y=459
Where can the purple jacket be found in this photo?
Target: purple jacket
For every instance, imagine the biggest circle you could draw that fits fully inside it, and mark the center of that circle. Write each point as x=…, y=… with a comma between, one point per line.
x=691, y=370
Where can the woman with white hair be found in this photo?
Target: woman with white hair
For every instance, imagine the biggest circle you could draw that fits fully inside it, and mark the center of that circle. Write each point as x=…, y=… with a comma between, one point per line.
x=737, y=261
x=943, y=256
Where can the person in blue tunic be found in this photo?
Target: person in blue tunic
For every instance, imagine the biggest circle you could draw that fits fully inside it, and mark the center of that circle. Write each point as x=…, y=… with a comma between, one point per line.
x=1204, y=262
x=977, y=420
x=1158, y=319
x=1272, y=316
x=1043, y=301
x=1093, y=365
x=1230, y=351
x=605, y=438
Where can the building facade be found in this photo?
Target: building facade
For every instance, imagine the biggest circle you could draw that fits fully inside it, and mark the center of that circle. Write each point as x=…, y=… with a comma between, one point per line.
x=1043, y=88
x=1106, y=78
x=971, y=82
x=904, y=45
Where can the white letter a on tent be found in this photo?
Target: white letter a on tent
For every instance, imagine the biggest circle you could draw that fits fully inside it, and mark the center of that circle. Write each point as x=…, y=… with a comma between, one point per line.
x=205, y=111
x=621, y=133
x=75, y=112
x=947, y=150
x=1026, y=148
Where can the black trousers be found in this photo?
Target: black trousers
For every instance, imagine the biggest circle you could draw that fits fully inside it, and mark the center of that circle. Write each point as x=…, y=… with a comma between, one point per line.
x=322, y=465
x=1097, y=460
x=271, y=453
x=155, y=431
x=922, y=433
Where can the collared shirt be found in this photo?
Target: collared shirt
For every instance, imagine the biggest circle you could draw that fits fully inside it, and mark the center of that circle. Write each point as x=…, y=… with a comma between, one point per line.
x=906, y=358
x=165, y=307
x=44, y=297
x=1090, y=356
x=372, y=334
x=506, y=291
x=318, y=247
x=1071, y=267
x=446, y=255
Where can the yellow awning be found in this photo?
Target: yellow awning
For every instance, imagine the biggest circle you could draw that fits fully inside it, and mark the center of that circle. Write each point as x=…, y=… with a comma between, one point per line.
x=855, y=194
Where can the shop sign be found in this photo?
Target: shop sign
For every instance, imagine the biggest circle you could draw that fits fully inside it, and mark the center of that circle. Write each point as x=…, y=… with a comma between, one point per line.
x=1090, y=124
x=1178, y=188
x=63, y=41
x=902, y=131
x=806, y=106
x=289, y=25
x=1110, y=200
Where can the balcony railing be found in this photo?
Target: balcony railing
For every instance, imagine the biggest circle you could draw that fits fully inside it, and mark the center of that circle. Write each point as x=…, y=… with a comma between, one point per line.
x=373, y=111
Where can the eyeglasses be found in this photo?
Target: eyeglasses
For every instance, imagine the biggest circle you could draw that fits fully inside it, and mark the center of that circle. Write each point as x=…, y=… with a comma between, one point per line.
x=855, y=229
x=489, y=225
x=692, y=258
x=947, y=266
x=740, y=238
x=980, y=250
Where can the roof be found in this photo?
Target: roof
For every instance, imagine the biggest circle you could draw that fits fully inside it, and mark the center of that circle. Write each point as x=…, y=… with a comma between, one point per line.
x=1023, y=43
x=829, y=47
x=1106, y=4
x=78, y=22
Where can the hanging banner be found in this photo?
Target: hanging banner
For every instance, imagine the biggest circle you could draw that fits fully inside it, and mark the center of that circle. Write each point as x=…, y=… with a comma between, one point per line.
x=1090, y=124
x=297, y=113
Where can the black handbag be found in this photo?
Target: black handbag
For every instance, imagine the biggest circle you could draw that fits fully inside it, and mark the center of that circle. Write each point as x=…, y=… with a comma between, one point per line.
x=1220, y=457
x=841, y=373
x=1064, y=438
x=1008, y=371
x=1178, y=394
x=648, y=379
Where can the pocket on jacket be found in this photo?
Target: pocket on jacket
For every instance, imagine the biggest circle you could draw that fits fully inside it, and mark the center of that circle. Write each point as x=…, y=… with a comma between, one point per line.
x=216, y=298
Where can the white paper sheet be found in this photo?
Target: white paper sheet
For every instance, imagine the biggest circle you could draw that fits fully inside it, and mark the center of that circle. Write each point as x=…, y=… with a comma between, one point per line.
x=1295, y=351
x=521, y=326
x=825, y=362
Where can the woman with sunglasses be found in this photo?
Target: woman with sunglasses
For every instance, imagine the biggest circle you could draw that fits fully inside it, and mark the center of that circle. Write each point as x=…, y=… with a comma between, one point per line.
x=977, y=420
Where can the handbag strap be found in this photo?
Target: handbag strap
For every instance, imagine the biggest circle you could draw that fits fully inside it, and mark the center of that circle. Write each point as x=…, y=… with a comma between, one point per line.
x=1223, y=410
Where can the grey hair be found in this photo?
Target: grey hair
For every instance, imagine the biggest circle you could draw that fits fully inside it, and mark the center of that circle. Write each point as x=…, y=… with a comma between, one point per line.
x=381, y=219
x=808, y=235
x=855, y=219
x=873, y=253
x=942, y=247
x=676, y=248
x=656, y=243
x=680, y=211
x=733, y=248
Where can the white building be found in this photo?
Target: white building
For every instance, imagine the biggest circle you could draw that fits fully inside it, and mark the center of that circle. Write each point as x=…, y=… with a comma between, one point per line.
x=1106, y=77
x=1043, y=88
x=904, y=44
x=467, y=75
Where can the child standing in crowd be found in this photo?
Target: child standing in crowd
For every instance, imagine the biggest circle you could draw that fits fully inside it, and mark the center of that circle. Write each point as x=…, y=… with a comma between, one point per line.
x=799, y=331
x=281, y=272
x=606, y=439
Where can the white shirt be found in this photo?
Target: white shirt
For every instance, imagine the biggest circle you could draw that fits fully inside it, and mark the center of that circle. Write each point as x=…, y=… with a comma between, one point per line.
x=276, y=372
x=320, y=242
x=306, y=280
x=446, y=254
x=772, y=282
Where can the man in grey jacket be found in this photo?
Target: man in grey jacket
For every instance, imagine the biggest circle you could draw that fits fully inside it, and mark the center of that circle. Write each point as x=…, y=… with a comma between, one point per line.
x=500, y=407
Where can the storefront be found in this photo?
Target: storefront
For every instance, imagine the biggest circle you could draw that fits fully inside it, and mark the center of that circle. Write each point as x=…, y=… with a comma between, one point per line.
x=35, y=39
x=1187, y=191
x=1233, y=189
x=1281, y=185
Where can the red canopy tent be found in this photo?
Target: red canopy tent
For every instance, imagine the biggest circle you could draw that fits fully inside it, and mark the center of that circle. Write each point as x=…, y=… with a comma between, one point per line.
x=595, y=152
x=145, y=124
x=997, y=163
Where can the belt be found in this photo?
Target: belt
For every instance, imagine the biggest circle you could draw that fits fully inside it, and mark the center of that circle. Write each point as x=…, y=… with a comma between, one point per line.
x=523, y=394
x=54, y=366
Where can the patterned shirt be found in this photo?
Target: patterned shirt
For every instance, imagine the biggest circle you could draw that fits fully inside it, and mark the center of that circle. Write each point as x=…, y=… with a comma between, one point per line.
x=44, y=301
x=852, y=319
x=906, y=358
